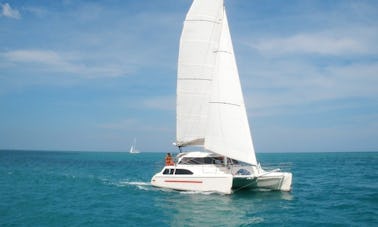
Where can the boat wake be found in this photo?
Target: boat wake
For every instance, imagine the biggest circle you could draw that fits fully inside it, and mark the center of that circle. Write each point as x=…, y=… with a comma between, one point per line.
x=138, y=184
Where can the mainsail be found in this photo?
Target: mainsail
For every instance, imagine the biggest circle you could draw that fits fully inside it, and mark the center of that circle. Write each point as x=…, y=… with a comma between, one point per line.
x=196, y=64
x=210, y=105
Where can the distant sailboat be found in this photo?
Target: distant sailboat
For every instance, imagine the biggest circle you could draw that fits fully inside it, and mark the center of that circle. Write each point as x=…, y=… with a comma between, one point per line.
x=211, y=113
x=133, y=149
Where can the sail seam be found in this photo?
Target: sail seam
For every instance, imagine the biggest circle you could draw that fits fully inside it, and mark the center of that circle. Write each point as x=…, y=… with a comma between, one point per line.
x=225, y=103
x=210, y=21
x=223, y=51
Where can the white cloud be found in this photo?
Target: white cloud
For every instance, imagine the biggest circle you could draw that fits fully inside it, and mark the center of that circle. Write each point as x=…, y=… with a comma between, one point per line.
x=36, y=56
x=53, y=61
x=38, y=11
x=314, y=67
x=136, y=125
x=355, y=80
x=329, y=42
x=161, y=103
x=120, y=125
x=280, y=86
x=310, y=43
x=7, y=11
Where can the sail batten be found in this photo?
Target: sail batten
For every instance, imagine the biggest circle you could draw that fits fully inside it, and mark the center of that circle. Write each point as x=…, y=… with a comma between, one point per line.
x=225, y=103
x=210, y=20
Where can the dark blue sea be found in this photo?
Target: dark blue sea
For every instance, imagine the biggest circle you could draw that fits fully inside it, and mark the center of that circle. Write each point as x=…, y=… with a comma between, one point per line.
x=112, y=189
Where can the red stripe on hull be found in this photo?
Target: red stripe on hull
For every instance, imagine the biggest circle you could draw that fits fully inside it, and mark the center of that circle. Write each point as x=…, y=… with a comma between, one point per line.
x=184, y=181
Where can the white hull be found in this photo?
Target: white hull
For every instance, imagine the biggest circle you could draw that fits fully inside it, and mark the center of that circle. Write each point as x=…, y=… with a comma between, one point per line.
x=210, y=183
x=222, y=182
x=134, y=152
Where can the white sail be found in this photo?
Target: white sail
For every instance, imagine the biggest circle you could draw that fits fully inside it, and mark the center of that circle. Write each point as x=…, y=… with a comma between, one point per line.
x=228, y=130
x=210, y=105
x=196, y=62
x=133, y=149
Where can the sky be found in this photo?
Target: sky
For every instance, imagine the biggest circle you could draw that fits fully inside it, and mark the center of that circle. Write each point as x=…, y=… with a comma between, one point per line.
x=94, y=75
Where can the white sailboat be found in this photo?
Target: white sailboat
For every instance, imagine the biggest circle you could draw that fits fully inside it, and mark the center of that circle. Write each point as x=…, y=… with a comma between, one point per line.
x=211, y=114
x=133, y=149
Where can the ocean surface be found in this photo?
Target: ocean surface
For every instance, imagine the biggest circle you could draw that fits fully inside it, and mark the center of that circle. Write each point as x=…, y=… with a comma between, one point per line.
x=113, y=189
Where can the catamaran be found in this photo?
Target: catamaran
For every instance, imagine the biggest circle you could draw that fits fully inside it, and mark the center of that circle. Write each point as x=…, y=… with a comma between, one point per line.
x=211, y=114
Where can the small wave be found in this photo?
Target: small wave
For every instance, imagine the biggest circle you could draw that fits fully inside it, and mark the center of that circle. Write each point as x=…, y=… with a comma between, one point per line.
x=146, y=186
x=262, y=190
x=137, y=183
x=66, y=175
x=256, y=220
x=200, y=192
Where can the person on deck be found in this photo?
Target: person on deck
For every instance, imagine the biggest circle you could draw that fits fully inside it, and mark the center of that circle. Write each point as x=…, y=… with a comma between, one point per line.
x=168, y=160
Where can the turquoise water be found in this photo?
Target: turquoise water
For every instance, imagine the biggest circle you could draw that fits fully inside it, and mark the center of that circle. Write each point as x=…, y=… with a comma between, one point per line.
x=101, y=188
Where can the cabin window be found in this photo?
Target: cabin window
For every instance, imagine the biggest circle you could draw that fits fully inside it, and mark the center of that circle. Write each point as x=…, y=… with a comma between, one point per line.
x=243, y=172
x=168, y=171
x=178, y=171
x=218, y=160
x=183, y=172
x=201, y=161
x=235, y=161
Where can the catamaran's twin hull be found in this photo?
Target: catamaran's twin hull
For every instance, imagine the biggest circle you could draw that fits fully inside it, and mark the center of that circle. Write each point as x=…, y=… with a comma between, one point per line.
x=279, y=181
